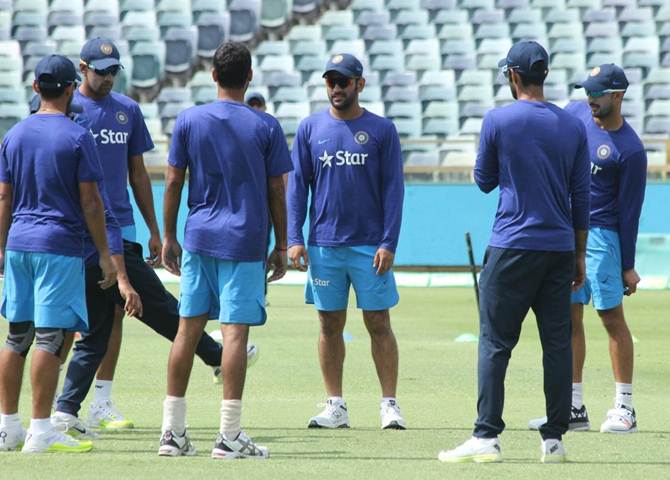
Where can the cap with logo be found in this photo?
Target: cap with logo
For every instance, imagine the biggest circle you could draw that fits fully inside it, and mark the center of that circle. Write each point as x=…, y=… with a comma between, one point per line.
x=605, y=78
x=55, y=71
x=100, y=53
x=345, y=64
x=523, y=55
x=255, y=97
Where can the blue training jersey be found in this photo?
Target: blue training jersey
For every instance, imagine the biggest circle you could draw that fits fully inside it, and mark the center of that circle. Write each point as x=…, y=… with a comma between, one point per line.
x=354, y=171
x=618, y=179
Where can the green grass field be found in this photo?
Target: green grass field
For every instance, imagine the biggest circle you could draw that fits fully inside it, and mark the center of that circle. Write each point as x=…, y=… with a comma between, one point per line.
x=436, y=392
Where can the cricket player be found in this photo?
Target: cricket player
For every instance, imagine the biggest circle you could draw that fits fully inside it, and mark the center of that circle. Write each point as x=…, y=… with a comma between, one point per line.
x=350, y=160
x=618, y=179
x=235, y=162
x=538, y=155
x=49, y=204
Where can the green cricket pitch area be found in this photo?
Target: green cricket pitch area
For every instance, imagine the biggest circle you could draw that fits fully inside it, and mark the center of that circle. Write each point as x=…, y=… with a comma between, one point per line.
x=437, y=394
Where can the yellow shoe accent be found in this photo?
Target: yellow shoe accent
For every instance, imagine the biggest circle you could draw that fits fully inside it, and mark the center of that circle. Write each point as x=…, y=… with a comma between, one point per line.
x=116, y=424
x=81, y=447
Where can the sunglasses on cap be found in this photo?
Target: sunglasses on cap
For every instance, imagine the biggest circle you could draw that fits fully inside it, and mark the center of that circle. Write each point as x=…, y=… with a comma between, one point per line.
x=113, y=70
x=506, y=69
x=342, y=82
x=602, y=93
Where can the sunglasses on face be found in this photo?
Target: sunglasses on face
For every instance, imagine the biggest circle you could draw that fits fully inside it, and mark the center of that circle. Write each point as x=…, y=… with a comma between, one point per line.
x=342, y=82
x=113, y=70
x=602, y=93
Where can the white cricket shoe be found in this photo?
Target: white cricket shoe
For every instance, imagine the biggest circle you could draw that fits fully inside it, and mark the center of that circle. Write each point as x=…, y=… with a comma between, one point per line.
x=11, y=437
x=105, y=416
x=253, y=352
x=55, y=441
x=67, y=423
x=241, y=447
x=334, y=415
x=173, y=445
x=477, y=450
x=620, y=420
x=391, y=416
x=553, y=451
x=579, y=420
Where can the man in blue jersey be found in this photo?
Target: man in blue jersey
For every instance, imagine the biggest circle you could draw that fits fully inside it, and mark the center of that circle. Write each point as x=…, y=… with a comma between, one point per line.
x=351, y=161
x=618, y=179
x=49, y=202
x=236, y=157
x=118, y=127
x=538, y=155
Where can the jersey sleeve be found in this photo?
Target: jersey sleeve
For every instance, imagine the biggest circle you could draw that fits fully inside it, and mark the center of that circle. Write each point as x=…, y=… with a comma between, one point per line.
x=298, y=186
x=89, y=168
x=580, y=184
x=5, y=175
x=140, y=139
x=393, y=189
x=632, y=184
x=278, y=158
x=486, y=166
x=178, y=155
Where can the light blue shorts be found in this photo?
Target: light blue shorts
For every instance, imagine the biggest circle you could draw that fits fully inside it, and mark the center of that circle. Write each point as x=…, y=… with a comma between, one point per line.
x=232, y=292
x=604, y=282
x=129, y=233
x=332, y=270
x=48, y=290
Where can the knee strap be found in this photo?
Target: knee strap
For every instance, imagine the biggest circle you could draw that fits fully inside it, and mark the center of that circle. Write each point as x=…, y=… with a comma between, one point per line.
x=20, y=337
x=49, y=340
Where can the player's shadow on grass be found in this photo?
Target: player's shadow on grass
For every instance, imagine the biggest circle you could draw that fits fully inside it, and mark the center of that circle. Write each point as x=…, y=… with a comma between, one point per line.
x=342, y=455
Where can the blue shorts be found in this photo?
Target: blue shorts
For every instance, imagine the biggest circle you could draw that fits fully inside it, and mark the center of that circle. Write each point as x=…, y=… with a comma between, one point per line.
x=604, y=281
x=48, y=290
x=333, y=269
x=129, y=233
x=231, y=291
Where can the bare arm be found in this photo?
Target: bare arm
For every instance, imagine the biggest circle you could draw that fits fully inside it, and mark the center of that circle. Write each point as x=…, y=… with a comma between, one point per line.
x=580, y=258
x=171, y=200
x=277, y=205
x=141, y=185
x=6, y=192
x=94, y=215
x=133, y=306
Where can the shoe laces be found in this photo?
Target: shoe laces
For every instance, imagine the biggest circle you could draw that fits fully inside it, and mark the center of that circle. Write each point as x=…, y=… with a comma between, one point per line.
x=329, y=407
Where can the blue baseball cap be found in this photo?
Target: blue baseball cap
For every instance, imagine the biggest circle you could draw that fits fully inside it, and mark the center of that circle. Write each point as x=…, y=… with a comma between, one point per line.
x=523, y=55
x=100, y=53
x=55, y=71
x=346, y=64
x=605, y=78
x=255, y=96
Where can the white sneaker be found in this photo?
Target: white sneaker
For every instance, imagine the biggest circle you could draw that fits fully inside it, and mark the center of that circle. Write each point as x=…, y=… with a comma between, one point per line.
x=477, y=450
x=173, y=445
x=55, y=441
x=620, y=420
x=67, y=423
x=334, y=415
x=253, y=352
x=241, y=447
x=12, y=438
x=553, y=451
x=391, y=417
x=579, y=420
x=105, y=416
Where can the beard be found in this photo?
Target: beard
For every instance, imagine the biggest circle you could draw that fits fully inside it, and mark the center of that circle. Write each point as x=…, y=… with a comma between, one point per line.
x=344, y=104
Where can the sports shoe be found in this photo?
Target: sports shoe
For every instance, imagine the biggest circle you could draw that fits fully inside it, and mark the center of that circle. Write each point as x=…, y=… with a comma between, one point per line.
x=391, y=417
x=334, y=415
x=11, y=438
x=579, y=420
x=66, y=423
x=173, y=445
x=105, y=416
x=252, y=357
x=477, y=450
x=55, y=441
x=553, y=451
x=241, y=447
x=620, y=419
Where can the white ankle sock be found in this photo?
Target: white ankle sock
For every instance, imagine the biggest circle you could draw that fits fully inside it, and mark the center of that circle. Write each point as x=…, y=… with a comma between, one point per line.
x=231, y=414
x=103, y=391
x=336, y=400
x=577, y=395
x=174, y=414
x=624, y=394
x=40, y=425
x=12, y=420
x=387, y=400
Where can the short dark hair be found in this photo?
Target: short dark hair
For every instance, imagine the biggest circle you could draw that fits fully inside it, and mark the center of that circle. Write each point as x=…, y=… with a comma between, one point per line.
x=537, y=75
x=232, y=63
x=50, y=93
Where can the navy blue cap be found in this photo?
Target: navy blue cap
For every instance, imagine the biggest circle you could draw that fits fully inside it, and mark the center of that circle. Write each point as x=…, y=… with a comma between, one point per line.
x=36, y=103
x=100, y=53
x=523, y=55
x=346, y=64
x=255, y=96
x=55, y=71
x=607, y=77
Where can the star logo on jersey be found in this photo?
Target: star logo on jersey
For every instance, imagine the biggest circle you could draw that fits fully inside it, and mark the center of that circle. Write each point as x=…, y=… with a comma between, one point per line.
x=122, y=118
x=326, y=160
x=603, y=151
x=361, y=137
x=95, y=135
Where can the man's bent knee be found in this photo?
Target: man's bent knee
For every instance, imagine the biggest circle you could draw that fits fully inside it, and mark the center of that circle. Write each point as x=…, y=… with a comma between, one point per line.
x=20, y=337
